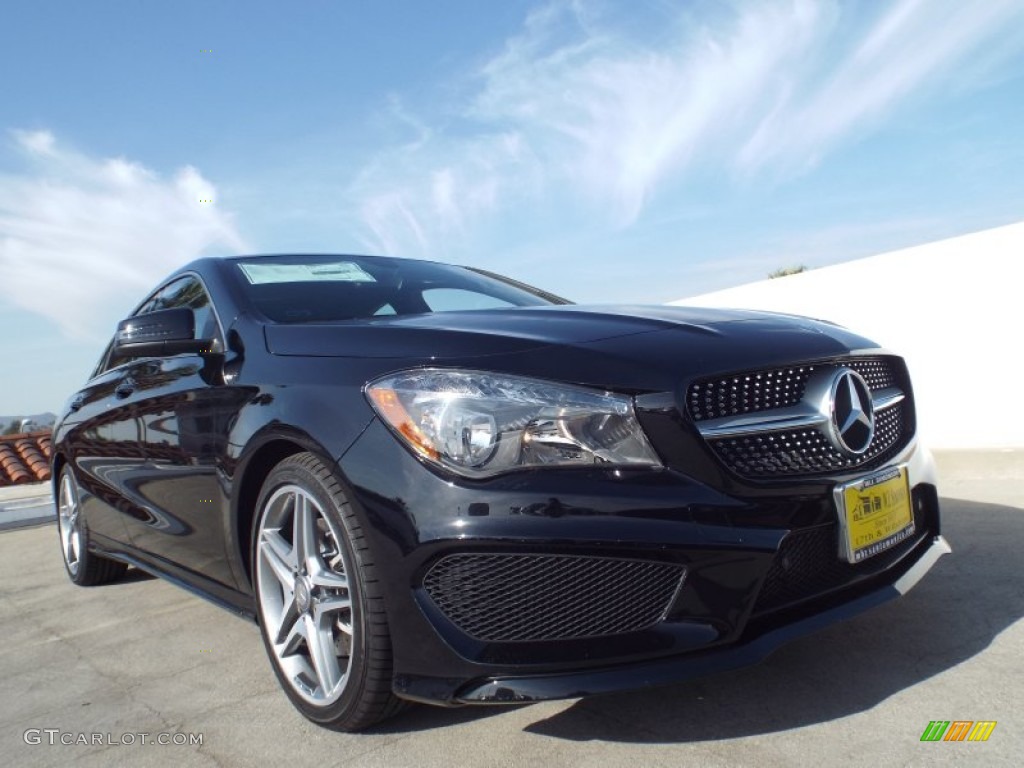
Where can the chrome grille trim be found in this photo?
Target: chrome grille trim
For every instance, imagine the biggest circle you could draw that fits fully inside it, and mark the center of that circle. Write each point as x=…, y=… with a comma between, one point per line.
x=794, y=417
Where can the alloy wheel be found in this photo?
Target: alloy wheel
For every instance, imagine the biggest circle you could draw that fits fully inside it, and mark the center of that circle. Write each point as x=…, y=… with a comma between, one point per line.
x=303, y=590
x=69, y=524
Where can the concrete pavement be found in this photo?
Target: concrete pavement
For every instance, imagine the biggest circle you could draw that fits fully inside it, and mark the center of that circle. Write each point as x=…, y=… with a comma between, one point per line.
x=145, y=656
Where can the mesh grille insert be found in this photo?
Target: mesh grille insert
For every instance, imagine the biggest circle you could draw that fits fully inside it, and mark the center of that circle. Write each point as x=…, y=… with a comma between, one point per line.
x=748, y=392
x=522, y=597
x=877, y=373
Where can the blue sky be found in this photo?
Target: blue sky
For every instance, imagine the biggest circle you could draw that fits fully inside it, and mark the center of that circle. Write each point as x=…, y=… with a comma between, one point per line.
x=606, y=151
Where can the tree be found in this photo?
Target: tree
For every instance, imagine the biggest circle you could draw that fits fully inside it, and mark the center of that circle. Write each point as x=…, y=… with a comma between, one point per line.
x=12, y=428
x=784, y=271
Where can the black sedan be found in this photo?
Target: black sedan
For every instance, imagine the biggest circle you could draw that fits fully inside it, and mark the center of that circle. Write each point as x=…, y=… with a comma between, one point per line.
x=432, y=483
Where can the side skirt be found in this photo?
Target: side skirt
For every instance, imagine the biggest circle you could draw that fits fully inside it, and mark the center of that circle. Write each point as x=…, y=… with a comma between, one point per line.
x=238, y=603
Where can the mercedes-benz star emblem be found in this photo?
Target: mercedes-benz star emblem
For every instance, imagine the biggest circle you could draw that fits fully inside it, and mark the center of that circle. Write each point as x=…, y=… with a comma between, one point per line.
x=853, y=413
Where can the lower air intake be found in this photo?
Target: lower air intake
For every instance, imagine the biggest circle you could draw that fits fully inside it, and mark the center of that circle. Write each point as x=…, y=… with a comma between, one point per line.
x=808, y=565
x=518, y=598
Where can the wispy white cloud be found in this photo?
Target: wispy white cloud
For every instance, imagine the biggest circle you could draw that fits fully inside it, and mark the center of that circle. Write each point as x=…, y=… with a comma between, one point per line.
x=909, y=48
x=413, y=199
x=617, y=118
x=37, y=142
x=81, y=237
x=578, y=112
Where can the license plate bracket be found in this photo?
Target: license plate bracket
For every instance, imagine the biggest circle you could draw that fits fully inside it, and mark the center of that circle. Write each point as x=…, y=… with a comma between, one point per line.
x=875, y=513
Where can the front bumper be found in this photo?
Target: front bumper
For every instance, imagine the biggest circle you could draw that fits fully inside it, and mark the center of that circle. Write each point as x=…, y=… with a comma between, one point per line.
x=511, y=690
x=735, y=548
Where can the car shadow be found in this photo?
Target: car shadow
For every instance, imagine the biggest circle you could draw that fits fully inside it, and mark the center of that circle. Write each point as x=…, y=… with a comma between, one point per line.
x=421, y=717
x=134, y=575
x=954, y=613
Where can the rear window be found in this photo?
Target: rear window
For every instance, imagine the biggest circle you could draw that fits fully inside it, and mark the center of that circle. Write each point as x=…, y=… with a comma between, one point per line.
x=303, y=289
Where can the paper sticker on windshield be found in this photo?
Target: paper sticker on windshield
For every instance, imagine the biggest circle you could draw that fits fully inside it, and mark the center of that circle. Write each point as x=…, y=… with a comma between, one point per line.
x=337, y=271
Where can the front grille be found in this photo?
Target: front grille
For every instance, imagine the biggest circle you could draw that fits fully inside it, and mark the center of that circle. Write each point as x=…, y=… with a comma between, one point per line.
x=807, y=565
x=803, y=450
x=523, y=597
x=806, y=451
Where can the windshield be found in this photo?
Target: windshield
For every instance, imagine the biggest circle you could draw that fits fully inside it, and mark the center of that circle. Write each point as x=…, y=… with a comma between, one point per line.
x=303, y=289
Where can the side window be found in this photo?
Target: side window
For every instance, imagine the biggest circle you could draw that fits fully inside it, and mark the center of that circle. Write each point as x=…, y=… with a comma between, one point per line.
x=187, y=292
x=104, y=364
x=453, y=299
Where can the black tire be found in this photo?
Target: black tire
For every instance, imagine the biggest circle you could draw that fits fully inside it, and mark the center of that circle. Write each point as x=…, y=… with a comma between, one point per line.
x=84, y=567
x=360, y=696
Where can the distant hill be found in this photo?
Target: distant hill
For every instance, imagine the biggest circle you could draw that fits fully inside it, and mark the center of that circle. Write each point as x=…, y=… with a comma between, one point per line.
x=46, y=419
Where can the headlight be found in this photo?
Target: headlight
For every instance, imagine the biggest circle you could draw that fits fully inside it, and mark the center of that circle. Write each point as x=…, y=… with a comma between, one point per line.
x=481, y=424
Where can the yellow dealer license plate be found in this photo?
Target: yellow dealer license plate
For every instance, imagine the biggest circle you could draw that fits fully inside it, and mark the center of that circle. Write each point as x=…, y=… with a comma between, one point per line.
x=875, y=513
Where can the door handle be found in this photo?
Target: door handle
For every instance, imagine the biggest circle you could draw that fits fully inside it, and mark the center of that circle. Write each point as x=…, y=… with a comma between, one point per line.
x=125, y=388
x=77, y=402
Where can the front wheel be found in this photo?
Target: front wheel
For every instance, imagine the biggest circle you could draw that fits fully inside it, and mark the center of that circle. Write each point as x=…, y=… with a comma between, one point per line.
x=320, y=610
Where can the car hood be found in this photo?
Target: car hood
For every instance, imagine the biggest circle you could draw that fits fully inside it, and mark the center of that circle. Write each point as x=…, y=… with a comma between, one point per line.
x=481, y=332
x=638, y=347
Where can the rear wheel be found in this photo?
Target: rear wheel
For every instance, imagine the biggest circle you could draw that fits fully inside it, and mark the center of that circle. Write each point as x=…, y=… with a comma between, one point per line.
x=84, y=568
x=320, y=609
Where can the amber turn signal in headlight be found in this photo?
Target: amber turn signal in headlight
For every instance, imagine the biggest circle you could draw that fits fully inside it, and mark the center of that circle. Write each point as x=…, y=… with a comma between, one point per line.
x=480, y=424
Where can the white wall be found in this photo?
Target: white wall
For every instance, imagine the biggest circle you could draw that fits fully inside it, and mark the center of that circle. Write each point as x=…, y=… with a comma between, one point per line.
x=954, y=309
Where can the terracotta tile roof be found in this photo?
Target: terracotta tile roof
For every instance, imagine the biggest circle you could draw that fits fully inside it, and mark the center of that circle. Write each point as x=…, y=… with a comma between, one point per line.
x=25, y=458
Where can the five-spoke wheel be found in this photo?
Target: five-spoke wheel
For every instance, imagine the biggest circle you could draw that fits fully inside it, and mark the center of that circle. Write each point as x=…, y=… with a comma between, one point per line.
x=322, y=624
x=304, y=594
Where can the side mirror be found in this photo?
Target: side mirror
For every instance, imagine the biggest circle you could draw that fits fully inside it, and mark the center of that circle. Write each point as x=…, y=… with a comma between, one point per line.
x=160, y=333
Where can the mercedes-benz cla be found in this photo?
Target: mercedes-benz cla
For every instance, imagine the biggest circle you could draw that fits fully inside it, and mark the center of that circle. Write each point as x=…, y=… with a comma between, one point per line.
x=435, y=484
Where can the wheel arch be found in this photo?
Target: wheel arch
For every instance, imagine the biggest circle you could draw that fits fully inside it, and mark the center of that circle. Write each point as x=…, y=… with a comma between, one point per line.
x=57, y=464
x=271, y=450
